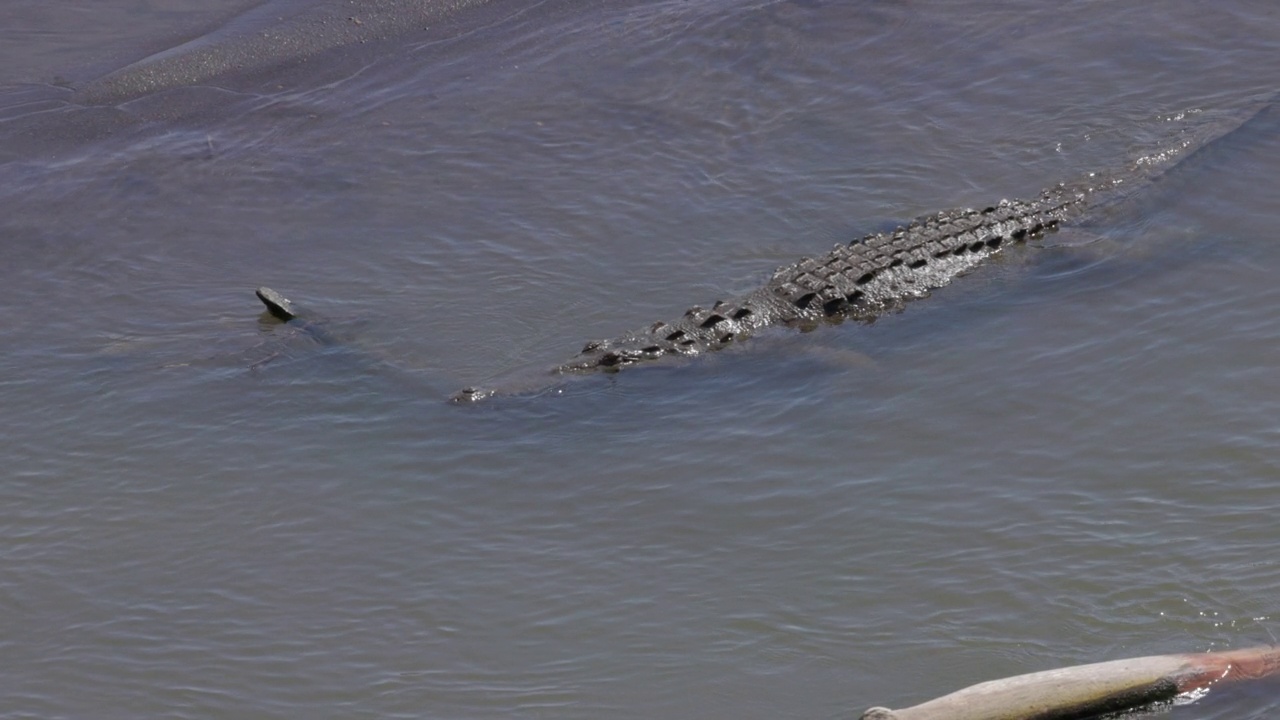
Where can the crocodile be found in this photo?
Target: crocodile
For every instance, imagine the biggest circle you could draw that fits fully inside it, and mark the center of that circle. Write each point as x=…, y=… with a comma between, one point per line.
x=858, y=281
x=872, y=275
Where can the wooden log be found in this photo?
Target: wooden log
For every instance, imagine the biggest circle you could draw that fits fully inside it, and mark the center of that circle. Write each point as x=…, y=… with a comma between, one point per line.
x=1086, y=691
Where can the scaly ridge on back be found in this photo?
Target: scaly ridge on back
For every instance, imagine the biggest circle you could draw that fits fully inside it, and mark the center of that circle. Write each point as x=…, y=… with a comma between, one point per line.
x=858, y=280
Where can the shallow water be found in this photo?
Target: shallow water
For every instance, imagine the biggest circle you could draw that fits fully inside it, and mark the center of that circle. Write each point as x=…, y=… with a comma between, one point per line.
x=1068, y=456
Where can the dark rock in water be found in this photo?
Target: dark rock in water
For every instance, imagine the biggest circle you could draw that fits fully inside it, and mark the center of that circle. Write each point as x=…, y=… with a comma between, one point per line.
x=277, y=304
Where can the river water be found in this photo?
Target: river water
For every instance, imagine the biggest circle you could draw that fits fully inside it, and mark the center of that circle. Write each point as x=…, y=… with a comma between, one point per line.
x=1068, y=456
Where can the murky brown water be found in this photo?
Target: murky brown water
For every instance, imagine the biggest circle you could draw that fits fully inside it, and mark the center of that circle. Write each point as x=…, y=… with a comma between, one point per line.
x=1068, y=456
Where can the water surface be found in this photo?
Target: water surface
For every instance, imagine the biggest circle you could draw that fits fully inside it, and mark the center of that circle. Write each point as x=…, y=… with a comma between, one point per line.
x=1065, y=457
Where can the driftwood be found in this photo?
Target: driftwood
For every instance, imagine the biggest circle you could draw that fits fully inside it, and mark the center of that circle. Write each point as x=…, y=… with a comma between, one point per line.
x=1086, y=691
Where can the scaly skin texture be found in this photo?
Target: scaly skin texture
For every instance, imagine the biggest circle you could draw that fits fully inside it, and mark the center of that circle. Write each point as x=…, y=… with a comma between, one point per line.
x=857, y=281
x=878, y=273
x=1087, y=691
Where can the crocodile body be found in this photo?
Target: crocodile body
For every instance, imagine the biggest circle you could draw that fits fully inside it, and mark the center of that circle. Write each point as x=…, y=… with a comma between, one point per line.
x=857, y=281
x=878, y=273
